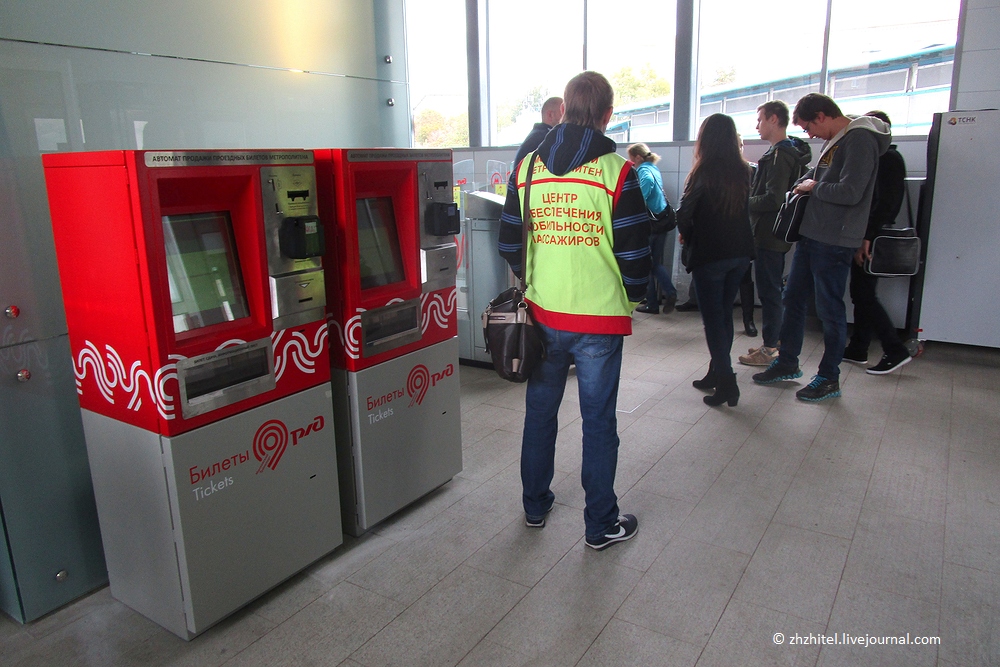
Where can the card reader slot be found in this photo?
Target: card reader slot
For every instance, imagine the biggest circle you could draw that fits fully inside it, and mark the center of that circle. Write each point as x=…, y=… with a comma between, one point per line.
x=295, y=194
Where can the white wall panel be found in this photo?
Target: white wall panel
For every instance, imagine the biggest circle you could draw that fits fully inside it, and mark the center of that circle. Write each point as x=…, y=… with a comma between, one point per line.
x=335, y=36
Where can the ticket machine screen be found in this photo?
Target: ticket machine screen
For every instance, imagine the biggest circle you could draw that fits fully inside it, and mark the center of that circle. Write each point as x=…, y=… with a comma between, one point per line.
x=378, y=243
x=206, y=286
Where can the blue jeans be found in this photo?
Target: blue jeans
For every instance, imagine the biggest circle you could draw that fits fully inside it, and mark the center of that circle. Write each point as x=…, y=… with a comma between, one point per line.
x=818, y=270
x=769, y=267
x=658, y=273
x=598, y=359
x=717, y=284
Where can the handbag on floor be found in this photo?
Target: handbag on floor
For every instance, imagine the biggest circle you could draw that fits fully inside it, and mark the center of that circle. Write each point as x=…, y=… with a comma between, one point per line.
x=512, y=340
x=786, y=225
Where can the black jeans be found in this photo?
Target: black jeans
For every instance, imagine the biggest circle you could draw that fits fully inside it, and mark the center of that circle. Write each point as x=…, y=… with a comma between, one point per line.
x=716, y=284
x=870, y=317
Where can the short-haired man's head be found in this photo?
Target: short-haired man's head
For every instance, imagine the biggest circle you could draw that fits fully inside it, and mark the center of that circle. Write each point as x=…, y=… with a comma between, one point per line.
x=552, y=110
x=587, y=98
x=775, y=108
x=881, y=115
x=641, y=151
x=812, y=105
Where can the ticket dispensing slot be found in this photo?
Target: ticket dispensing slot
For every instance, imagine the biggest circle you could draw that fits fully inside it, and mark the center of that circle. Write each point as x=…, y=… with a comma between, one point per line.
x=224, y=377
x=390, y=327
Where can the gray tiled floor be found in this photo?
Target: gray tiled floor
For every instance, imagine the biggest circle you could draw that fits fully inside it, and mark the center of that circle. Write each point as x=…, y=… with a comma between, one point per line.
x=874, y=514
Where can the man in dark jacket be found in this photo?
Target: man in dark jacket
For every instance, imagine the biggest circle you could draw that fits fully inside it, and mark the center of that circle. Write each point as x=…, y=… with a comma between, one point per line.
x=869, y=315
x=833, y=228
x=777, y=170
x=587, y=262
x=551, y=115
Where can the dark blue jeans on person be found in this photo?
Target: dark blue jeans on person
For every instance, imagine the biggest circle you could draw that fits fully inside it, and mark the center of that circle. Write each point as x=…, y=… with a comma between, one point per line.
x=598, y=359
x=769, y=267
x=716, y=284
x=658, y=273
x=818, y=270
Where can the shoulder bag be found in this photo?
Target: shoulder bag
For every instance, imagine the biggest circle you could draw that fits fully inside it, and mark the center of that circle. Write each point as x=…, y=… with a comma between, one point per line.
x=895, y=251
x=512, y=340
x=786, y=225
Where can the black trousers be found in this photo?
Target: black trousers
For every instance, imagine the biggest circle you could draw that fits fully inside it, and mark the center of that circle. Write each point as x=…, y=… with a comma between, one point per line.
x=870, y=318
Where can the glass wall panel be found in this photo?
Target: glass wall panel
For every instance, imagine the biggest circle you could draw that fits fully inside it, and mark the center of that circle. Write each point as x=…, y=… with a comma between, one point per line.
x=897, y=59
x=632, y=43
x=535, y=47
x=439, y=78
x=749, y=54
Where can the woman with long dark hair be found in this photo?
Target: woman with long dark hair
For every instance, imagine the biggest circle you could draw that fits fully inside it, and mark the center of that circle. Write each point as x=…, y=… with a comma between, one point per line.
x=715, y=227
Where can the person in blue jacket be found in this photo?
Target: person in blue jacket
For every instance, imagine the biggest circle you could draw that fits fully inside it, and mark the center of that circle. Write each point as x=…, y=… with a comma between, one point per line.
x=651, y=184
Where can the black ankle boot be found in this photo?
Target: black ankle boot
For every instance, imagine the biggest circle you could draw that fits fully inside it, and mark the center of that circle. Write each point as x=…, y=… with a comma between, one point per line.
x=749, y=328
x=707, y=382
x=726, y=391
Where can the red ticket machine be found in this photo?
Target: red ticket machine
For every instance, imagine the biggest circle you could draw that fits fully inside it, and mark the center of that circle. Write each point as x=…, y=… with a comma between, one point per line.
x=195, y=302
x=392, y=222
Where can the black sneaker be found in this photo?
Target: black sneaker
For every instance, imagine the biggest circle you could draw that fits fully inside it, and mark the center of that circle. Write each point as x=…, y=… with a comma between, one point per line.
x=889, y=363
x=818, y=390
x=624, y=529
x=669, y=303
x=855, y=357
x=777, y=372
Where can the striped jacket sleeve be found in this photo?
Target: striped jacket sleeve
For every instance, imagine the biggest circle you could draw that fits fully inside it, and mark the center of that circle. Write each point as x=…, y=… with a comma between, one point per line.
x=510, y=226
x=631, y=224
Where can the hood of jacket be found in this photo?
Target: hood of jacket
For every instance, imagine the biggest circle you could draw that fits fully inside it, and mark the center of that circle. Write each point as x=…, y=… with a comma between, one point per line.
x=868, y=124
x=568, y=146
x=798, y=149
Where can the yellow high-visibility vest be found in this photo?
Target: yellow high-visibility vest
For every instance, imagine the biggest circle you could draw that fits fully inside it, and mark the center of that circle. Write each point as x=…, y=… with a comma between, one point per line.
x=573, y=277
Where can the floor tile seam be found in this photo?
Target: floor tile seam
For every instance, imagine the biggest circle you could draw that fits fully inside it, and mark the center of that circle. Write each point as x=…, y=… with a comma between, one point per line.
x=868, y=482
x=36, y=638
x=687, y=500
x=352, y=654
x=416, y=534
x=287, y=620
x=407, y=607
x=812, y=530
x=614, y=613
x=530, y=587
x=752, y=604
x=991, y=573
x=900, y=515
x=659, y=632
x=883, y=589
x=825, y=624
x=360, y=567
x=851, y=550
x=480, y=483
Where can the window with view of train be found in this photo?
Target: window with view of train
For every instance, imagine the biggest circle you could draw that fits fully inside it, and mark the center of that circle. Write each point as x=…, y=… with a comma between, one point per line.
x=896, y=55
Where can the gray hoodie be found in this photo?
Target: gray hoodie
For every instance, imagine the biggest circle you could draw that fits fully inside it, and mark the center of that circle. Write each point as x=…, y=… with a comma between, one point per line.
x=838, y=209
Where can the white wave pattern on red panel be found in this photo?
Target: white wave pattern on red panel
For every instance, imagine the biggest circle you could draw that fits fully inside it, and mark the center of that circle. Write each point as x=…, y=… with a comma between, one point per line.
x=437, y=308
x=296, y=348
x=109, y=372
x=433, y=308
